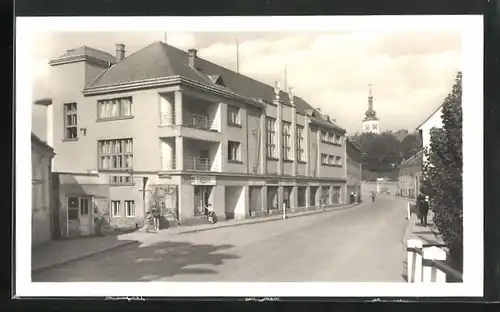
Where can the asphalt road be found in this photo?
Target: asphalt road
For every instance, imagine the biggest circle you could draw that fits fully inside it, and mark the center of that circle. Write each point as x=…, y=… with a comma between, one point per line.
x=361, y=244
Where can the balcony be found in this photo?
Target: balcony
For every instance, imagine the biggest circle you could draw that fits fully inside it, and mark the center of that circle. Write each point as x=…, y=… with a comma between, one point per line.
x=191, y=164
x=197, y=155
x=200, y=122
x=200, y=164
x=193, y=126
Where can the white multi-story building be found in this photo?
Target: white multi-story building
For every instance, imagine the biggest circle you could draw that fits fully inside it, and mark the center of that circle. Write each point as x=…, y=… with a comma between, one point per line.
x=183, y=132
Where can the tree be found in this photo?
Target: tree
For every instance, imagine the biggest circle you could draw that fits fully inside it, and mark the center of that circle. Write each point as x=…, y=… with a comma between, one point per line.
x=381, y=152
x=443, y=173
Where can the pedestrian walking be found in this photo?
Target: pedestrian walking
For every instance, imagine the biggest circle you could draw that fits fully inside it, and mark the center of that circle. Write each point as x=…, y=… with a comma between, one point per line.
x=373, y=197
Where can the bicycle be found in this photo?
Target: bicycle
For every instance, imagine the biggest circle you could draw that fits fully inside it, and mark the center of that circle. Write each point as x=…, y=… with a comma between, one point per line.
x=151, y=225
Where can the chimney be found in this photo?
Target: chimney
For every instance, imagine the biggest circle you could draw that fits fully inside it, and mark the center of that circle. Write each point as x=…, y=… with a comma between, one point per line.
x=120, y=52
x=192, y=56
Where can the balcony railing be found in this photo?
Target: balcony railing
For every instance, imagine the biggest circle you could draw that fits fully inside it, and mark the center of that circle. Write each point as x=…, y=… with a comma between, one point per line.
x=201, y=122
x=199, y=164
x=190, y=120
x=167, y=119
x=168, y=164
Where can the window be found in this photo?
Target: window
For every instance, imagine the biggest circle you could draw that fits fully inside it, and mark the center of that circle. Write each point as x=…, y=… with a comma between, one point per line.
x=324, y=158
x=337, y=160
x=70, y=121
x=331, y=138
x=271, y=138
x=115, y=208
x=336, y=195
x=331, y=160
x=120, y=180
x=115, y=108
x=233, y=151
x=84, y=206
x=233, y=115
x=374, y=127
x=300, y=143
x=337, y=139
x=287, y=141
x=73, y=208
x=324, y=136
x=367, y=127
x=129, y=208
x=115, y=154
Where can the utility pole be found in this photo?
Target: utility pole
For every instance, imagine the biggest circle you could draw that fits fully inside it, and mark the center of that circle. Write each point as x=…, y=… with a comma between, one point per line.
x=165, y=38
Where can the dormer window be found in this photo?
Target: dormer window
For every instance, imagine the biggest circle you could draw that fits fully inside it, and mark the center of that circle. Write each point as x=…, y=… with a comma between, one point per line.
x=217, y=79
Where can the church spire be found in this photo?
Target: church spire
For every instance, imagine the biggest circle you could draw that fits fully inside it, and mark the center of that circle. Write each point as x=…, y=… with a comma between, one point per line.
x=370, y=98
x=370, y=113
x=370, y=122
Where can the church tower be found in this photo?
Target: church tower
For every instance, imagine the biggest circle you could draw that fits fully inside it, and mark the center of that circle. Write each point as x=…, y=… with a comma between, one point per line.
x=370, y=123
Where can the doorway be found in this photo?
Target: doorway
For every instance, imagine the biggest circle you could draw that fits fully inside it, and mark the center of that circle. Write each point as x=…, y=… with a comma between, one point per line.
x=80, y=214
x=202, y=197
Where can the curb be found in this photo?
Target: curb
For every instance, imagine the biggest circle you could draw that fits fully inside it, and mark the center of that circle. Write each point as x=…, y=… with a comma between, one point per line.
x=408, y=230
x=268, y=219
x=77, y=258
x=126, y=243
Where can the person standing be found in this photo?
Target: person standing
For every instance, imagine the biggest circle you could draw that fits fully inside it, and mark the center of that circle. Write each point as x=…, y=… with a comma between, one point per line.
x=156, y=212
x=424, y=210
x=373, y=197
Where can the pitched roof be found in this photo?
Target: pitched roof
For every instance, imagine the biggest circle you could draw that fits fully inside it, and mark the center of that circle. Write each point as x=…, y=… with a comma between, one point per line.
x=429, y=117
x=413, y=160
x=401, y=136
x=159, y=60
x=39, y=142
x=353, y=145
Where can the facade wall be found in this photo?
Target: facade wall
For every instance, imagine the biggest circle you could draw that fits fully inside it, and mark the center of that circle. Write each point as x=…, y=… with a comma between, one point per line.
x=409, y=180
x=434, y=121
x=41, y=193
x=152, y=141
x=353, y=169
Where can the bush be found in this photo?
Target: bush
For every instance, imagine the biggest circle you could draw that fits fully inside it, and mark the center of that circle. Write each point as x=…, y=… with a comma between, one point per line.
x=443, y=173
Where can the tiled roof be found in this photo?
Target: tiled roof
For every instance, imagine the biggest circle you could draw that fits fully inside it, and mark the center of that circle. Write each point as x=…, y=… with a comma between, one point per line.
x=414, y=160
x=401, y=136
x=159, y=60
x=36, y=140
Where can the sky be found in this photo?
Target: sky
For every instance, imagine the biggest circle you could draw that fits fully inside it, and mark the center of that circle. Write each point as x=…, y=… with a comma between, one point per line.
x=410, y=72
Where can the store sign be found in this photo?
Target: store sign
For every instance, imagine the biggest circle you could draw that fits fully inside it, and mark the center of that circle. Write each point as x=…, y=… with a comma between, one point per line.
x=203, y=180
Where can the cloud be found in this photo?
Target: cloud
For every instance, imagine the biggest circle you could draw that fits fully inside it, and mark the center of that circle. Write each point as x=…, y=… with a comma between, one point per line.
x=410, y=73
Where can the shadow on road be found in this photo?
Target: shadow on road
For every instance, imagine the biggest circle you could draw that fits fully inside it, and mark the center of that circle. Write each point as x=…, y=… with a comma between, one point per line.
x=135, y=263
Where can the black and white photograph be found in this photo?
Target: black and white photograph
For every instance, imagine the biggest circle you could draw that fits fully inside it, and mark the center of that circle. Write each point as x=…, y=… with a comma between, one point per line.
x=250, y=160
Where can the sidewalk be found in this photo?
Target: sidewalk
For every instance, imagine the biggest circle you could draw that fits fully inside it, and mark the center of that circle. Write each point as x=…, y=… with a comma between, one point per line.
x=60, y=252
x=274, y=217
x=428, y=234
